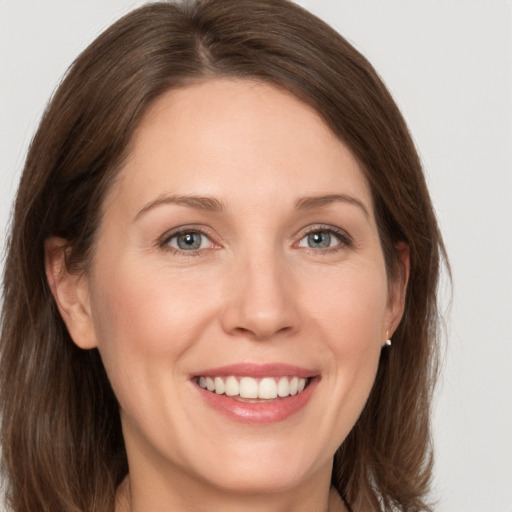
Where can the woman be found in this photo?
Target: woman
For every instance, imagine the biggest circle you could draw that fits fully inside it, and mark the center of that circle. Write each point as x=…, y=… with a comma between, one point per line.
x=221, y=224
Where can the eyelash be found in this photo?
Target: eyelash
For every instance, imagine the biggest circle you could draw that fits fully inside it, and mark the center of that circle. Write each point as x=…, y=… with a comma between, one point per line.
x=164, y=242
x=342, y=236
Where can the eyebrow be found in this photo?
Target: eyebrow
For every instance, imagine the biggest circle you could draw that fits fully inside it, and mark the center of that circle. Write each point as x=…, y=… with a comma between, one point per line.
x=312, y=202
x=209, y=204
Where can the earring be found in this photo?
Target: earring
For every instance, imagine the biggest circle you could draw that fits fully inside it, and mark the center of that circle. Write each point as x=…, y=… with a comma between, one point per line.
x=388, y=340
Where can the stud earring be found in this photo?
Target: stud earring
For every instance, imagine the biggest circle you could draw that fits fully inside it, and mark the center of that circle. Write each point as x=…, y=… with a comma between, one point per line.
x=388, y=342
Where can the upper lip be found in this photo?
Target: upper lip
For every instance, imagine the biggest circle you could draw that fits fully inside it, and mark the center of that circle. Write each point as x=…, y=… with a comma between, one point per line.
x=257, y=370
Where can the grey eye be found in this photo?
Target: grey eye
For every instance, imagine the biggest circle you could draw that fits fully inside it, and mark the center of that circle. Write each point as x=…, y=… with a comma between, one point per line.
x=319, y=240
x=189, y=241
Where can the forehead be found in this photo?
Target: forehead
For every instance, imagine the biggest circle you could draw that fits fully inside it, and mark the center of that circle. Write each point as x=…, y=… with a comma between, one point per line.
x=237, y=137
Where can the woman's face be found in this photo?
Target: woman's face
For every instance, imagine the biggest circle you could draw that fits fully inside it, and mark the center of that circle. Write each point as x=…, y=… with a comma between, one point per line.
x=238, y=251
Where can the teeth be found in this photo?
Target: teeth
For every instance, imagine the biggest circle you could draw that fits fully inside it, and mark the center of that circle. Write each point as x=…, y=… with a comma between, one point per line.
x=210, y=385
x=267, y=388
x=219, y=386
x=248, y=388
x=232, y=387
x=283, y=387
x=294, y=384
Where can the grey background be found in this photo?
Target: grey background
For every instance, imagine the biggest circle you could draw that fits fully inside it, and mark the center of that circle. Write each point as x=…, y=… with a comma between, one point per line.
x=448, y=64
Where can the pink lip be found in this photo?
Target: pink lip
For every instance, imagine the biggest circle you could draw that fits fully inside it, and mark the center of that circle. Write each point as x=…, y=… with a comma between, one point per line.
x=257, y=370
x=271, y=411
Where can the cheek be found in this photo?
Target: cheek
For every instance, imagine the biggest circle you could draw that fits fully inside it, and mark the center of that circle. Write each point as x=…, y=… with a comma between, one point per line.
x=363, y=307
x=350, y=318
x=142, y=320
x=350, y=305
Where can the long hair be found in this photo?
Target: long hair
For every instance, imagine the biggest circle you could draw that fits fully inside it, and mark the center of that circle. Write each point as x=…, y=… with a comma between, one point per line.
x=62, y=444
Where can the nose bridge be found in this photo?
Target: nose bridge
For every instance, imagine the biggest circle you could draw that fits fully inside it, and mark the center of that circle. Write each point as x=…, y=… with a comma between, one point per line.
x=261, y=301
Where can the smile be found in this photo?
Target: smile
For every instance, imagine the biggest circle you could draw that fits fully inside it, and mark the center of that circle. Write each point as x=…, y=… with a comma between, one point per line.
x=266, y=388
x=257, y=394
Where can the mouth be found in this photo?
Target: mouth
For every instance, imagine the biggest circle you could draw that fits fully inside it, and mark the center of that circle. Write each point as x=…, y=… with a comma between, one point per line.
x=257, y=394
x=250, y=388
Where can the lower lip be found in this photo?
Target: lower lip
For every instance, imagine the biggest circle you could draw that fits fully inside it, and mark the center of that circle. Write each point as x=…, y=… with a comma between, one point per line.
x=271, y=411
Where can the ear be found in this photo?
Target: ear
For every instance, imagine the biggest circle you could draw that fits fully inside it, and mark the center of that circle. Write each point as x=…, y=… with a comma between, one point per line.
x=71, y=293
x=397, y=291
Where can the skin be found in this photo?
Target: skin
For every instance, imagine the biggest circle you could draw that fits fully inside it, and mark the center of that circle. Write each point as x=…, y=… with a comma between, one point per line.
x=255, y=291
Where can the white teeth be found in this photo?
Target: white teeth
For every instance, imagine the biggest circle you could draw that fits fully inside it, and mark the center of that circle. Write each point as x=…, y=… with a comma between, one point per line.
x=283, y=387
x=267, y=388
x=248, y=387
x=210, y=385
x=219, y=386
x=232, y=387
x=294, y=384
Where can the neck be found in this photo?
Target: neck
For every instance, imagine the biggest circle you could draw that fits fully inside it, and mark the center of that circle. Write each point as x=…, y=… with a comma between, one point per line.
x=129, y=499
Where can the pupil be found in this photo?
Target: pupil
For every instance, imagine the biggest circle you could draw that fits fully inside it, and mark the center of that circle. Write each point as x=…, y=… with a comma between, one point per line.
x=189, y=241
x=319, y=239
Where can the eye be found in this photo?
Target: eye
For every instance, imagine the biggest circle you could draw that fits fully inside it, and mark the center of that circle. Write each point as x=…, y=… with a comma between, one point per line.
x=323, y=239
x=189, y=241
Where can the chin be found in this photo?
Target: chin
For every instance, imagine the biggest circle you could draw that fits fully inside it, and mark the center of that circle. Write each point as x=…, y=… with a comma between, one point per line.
x=263, y=468
x=260, y=479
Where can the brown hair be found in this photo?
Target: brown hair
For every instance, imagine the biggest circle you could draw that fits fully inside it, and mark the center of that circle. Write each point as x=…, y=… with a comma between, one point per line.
x=61, y=437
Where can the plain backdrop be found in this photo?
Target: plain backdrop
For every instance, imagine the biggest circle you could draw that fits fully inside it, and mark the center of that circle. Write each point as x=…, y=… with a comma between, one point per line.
x=448, y=63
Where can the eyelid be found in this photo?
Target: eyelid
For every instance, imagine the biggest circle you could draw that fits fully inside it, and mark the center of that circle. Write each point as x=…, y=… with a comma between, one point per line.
x=342, y=235
x=163, y=241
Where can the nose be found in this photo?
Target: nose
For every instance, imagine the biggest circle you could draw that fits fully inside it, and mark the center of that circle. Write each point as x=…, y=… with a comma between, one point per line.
x=261, y=303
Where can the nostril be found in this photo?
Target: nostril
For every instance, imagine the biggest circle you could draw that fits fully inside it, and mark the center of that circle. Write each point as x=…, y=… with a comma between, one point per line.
x=261, y=334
